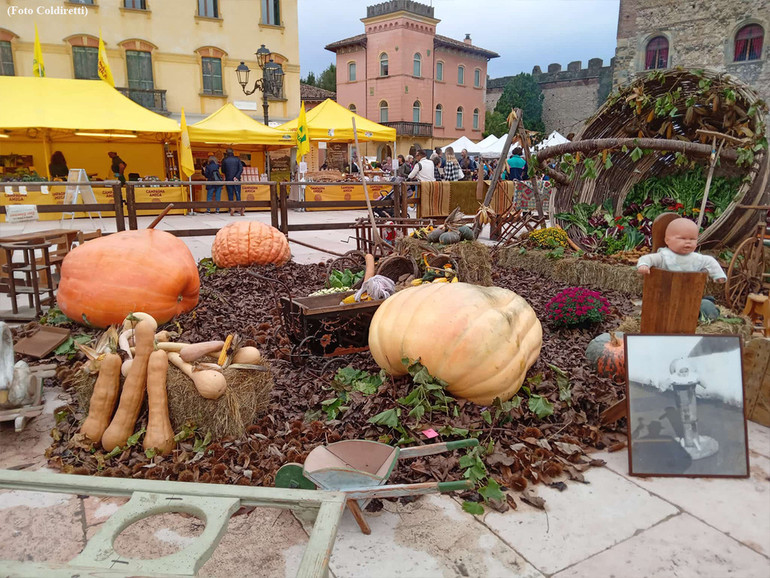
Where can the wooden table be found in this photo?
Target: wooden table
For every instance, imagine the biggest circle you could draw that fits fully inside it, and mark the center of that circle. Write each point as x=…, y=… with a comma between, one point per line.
x=35, y=237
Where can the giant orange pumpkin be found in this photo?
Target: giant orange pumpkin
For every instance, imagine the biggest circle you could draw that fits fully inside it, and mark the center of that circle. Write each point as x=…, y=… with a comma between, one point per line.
x=249, y=243
x=480, y=340
x=107, y=278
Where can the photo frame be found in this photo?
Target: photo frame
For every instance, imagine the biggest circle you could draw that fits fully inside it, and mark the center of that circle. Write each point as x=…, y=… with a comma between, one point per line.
x=686, y=406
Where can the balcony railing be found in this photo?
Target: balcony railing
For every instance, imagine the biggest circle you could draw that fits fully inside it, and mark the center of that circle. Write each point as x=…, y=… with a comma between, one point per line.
x=153, y=99
x=404, y=128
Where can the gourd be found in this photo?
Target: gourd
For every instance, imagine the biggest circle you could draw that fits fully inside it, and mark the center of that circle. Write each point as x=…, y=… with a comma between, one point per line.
x=122, y=425
x=149, y=270
x=249, y=243
x=210, y=383
x=195, y=351
x=435, y=235
x=611, y=361
x=247, y=355
x=103, y=398
x=596, y=346
x=160, y=434
x=449, y=238
x=480, y=340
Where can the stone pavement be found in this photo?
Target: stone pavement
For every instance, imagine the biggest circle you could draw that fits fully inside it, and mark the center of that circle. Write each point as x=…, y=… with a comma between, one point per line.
x=614, y=525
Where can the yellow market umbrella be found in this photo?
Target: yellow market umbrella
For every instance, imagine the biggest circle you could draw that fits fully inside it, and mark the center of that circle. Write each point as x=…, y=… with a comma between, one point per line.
x=332, y=122
x=228, y=125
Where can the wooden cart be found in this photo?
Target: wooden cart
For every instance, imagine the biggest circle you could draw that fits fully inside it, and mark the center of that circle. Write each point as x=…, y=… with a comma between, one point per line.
x=748, y=270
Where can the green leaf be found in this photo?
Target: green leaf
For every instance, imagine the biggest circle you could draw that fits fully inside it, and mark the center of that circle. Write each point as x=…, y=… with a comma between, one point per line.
x=453, y=431
x=422, y=376
x=540, y=406
x=491, y=491
x=201, y=444
x=389, y=418
x=636, y=154
x=117, y=450
x=65, y=347
x=417, y=412
x=535, y=381
x=186, y=432
x=150, y=453
x=487, y=416
x=473, y=508
x=467, y=461
x=134, y=439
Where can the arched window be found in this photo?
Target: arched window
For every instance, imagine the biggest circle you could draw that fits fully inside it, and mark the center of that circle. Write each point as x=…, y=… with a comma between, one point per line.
x=416, y=111
x=352, y=108
x=383, y=64
x=461, y=74
x=459, y=117
x=440, y=70
x=417, y=65
x=383, y=111
x=477, y=78
x=439, y=115
x=351, y=71
x=748, y=43
x=475, y=119
x=657, y=53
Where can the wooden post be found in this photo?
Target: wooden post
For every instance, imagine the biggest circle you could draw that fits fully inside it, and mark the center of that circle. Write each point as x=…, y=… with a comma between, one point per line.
x=274, y=205
x=283, y=195
x=671, y=301
x=378, y=242
x=534, y=180
x=117, y=200
x=714, y=156
x=396, y=198
x=131, y=207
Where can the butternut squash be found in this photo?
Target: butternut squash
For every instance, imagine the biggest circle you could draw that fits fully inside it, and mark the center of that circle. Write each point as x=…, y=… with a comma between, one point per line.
x=126, y=367
x=133, y=319
x=122, y=425
x=103, y=398
x=160, y=434
x=174, y=346
x=193, y=351
x=248, y=356
x=210, y=384
x=369, y=269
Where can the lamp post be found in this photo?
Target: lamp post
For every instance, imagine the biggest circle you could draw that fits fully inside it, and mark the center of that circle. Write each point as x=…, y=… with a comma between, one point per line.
x=271, y=81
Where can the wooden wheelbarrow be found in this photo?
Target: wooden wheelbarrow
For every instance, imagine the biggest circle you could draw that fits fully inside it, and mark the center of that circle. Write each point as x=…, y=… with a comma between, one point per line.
x=361, y=468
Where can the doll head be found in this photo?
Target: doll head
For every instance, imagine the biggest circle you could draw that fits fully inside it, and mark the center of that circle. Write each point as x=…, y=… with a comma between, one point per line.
x=682, y=236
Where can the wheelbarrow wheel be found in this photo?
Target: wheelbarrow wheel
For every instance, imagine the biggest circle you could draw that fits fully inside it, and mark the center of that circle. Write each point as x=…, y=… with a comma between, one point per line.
x=291, y=476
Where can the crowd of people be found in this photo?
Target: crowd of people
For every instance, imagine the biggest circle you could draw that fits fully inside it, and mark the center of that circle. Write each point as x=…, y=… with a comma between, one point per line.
x=438, y=165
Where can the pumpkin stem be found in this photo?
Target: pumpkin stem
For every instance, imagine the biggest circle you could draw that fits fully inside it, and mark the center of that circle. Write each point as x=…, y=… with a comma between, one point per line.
x=614, y=341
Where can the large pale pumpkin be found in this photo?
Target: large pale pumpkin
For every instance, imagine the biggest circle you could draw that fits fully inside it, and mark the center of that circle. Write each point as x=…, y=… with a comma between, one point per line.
x=480, y=340
x=107, y=278
x=249, y=243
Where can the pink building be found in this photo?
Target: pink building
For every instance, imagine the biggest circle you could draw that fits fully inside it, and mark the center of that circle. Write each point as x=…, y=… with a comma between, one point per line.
x=400, y=73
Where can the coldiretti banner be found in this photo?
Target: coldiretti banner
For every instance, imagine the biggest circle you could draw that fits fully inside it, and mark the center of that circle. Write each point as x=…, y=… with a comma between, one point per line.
x=352, y=192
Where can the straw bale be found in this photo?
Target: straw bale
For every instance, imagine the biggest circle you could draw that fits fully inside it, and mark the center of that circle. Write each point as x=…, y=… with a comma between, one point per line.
x=473, y=258
x=633, y=323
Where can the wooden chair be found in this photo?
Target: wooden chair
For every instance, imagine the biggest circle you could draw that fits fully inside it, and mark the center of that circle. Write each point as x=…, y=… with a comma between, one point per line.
x=26, y=274
x=83, y=237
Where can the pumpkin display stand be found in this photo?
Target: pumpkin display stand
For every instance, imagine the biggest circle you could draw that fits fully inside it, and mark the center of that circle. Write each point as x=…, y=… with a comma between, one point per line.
x=474, y=261
x=247, y=395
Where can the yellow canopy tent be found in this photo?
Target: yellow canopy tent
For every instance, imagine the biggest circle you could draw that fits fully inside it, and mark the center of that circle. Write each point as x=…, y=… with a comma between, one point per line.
x=228, y=125
x=88, y=115
x=331, y=122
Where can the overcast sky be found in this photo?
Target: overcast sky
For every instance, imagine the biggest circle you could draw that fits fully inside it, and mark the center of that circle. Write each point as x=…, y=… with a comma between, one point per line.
x=524, y=33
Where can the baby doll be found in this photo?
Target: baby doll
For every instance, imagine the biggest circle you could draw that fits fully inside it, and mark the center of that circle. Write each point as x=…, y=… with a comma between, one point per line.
x=678, y=255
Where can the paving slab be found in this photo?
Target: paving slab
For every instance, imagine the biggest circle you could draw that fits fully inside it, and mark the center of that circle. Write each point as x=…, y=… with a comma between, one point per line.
x=683, y=546
x=429, y=537
x=759, y=439
x=580, y=521
x=739, y=507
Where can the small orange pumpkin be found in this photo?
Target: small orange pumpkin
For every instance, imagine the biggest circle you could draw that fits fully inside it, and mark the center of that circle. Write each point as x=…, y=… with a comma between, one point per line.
x=249, y=243
x=104, y=280
x=612, y=360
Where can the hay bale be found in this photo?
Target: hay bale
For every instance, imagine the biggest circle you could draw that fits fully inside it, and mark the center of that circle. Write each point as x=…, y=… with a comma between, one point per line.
x=246, y=396
x=633, y=324
x=474, y=261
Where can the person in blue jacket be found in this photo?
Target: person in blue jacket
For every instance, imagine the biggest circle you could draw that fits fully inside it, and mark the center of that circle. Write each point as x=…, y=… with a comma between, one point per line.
x=233, y=168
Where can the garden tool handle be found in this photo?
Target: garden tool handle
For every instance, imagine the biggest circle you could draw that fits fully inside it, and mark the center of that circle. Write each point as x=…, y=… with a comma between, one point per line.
x=457, y=486
x=456, y=445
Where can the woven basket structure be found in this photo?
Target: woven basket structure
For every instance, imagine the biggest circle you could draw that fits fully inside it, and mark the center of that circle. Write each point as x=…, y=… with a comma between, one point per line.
x=702, y=100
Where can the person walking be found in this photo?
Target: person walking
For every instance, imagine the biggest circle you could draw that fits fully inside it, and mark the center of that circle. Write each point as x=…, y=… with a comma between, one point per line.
x=233, y=168
x=211, y=172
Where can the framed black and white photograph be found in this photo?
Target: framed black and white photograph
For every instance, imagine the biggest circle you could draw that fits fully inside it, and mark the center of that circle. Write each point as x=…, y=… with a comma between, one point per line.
x=685, y=406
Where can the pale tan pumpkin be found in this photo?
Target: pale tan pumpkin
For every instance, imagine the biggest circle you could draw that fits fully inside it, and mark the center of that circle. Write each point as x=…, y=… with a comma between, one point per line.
x=249, y=243
x=480, y=340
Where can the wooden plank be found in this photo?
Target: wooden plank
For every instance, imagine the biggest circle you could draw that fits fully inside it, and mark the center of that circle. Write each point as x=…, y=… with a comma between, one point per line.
x=59, y=570
x=318, y=553
x=671, y=301
x=756, y=380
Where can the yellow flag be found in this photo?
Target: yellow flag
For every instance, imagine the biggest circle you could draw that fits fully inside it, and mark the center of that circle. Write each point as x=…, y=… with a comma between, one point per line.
x=38, y=68
x=103, y=66
x=303, y=143
x=186, y=163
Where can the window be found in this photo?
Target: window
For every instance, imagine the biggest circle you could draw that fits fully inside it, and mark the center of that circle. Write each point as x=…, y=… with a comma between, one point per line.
x=748, y=43
x=417, y=65
x=475, y=119
x=477, y=78
x=212, y=75
x=86, y=61
x=439, y=115
x=657, y=53
x=352, y=108
x=416, y=111
x=461, y=74
x=208, y=8
x=383, y=64
x=383, y=111
x=139, y=69
x=459, y=117
x=439, y=70
x=271, y=12
x=91, y=2
x=6, y=59
x=351, y=71
x=135, y=4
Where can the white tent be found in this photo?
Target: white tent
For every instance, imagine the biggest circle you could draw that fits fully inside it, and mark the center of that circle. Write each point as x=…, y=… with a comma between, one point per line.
x=463, y=143
x=489, y=141
x=555, y=138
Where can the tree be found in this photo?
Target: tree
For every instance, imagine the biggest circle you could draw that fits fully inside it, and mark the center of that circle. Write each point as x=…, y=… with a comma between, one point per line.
x=495, y=123
x=311, y=80
x=524, y=92
x=328, y=79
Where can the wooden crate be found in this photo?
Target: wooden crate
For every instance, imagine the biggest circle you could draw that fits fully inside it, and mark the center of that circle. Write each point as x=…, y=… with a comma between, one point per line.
x=756, y=380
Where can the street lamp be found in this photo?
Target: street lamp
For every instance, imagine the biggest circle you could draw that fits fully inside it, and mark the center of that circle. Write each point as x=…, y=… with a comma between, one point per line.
x=271, y=81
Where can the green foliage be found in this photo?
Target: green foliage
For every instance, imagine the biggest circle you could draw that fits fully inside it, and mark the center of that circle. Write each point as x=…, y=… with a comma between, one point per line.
x=349, y=378
x=328, y=79
x=473, y=508
x=69, y=347
x=495, y=123
x=54, y=316
x=310, y=80
x=540, y=406
x=344, y=278
x=523, y=92
x=207, y=267
x=335, y=406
